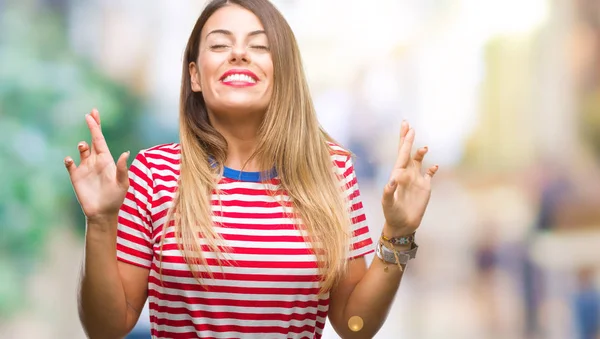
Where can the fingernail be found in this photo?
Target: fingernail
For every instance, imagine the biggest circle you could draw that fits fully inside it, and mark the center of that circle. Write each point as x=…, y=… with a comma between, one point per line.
x=68, y=161
x=127, y=156
x=79, y=145
x=392, y=183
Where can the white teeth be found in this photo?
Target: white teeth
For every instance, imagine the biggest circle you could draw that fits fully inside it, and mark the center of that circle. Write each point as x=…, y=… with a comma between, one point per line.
x=239, y=77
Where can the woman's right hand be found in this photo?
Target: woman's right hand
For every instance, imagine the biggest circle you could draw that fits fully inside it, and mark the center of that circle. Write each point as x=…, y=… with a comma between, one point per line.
x=100, y=185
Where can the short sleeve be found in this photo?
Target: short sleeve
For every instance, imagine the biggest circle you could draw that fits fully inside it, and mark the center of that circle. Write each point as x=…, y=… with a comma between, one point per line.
x=134, y=230
x=361, y=242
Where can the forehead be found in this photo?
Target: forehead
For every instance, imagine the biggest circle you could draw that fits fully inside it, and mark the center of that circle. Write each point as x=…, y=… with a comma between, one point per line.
x=233, y=18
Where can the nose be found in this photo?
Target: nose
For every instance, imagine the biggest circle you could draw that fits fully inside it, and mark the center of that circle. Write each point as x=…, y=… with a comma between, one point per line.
x=239, y=54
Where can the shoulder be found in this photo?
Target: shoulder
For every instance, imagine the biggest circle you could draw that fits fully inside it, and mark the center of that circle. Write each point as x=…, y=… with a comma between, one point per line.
x=162, y=149
x=157, y=162
x=337, y=149
x=341, y=157
x=157, y=158
x=160, y=153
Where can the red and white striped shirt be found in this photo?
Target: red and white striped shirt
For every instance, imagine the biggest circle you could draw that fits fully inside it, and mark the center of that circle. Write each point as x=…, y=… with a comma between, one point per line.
x=268, y=285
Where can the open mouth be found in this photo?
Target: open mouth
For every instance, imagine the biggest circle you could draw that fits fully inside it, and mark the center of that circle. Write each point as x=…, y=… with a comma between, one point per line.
x=239, y=77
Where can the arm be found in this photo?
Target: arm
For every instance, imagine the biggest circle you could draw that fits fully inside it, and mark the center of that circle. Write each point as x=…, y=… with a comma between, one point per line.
x=367, y=293
x=111, y=293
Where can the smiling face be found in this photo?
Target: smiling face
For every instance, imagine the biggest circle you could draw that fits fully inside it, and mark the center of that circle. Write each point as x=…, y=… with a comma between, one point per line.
x=234, y=70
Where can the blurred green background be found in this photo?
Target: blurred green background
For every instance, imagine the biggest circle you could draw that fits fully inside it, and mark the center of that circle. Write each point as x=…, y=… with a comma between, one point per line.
x=45, y=91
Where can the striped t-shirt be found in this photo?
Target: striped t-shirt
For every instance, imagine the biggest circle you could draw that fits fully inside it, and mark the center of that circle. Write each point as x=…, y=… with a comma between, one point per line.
x=267, y=286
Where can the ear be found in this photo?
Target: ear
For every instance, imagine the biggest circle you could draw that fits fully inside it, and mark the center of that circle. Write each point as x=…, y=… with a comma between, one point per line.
x=195, y=77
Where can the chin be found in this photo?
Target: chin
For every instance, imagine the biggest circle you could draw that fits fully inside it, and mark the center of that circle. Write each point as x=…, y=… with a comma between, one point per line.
x=241, y=107
x=243, y=102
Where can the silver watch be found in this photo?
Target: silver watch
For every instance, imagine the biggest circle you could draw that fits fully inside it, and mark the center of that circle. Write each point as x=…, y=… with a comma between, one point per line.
x=388, y=256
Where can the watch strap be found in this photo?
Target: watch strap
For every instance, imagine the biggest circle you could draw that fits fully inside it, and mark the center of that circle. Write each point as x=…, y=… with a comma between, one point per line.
x=404, y=240
x=388, y=255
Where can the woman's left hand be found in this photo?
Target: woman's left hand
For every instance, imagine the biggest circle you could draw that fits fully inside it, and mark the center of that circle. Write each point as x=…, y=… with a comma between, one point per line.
x=406, y=195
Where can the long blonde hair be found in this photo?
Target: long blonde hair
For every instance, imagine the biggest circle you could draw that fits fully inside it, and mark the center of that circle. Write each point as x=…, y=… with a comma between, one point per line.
x=290, y=138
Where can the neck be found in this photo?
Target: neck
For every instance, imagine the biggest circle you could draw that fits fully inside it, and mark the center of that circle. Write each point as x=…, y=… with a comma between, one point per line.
x=241, y=136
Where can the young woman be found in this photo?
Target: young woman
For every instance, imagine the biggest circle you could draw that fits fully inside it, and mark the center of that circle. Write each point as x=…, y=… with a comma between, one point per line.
x=252, y=226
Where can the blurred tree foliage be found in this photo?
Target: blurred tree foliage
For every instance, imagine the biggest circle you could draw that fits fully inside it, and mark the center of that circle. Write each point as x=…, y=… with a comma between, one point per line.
x=45, y=90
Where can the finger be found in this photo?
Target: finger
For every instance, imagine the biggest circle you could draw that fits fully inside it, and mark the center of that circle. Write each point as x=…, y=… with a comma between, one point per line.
x=405, y=149
x=404, y=127
x=419, y=155
x=98, y=141
x=96, y=116
x=388, y=192
x=84, y=150
x=122, y=173
x=431, y=172
x=70, y=165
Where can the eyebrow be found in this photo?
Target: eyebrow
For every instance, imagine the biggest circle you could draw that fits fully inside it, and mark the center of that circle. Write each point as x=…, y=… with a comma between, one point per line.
x=226, y=32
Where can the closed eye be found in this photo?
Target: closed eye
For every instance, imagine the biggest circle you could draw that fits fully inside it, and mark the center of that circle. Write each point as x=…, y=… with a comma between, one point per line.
x=219, y=47
x=223, y=48
x=260, y=47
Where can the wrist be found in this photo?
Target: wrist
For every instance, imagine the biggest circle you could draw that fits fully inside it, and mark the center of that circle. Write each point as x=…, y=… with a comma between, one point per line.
x=102, y=224
x=396, y=232
x=401, y=248
x=395, y=255
x=401, y=240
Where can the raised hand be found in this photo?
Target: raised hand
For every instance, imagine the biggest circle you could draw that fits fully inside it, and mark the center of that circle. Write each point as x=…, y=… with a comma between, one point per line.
x=406, y=196
x=100, y=185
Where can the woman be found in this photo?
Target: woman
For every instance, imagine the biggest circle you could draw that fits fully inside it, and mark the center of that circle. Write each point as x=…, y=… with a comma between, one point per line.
x=252, y=226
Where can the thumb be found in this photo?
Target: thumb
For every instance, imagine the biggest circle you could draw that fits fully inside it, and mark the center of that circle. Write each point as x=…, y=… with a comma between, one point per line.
x=122, y=172
x=388, y=192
